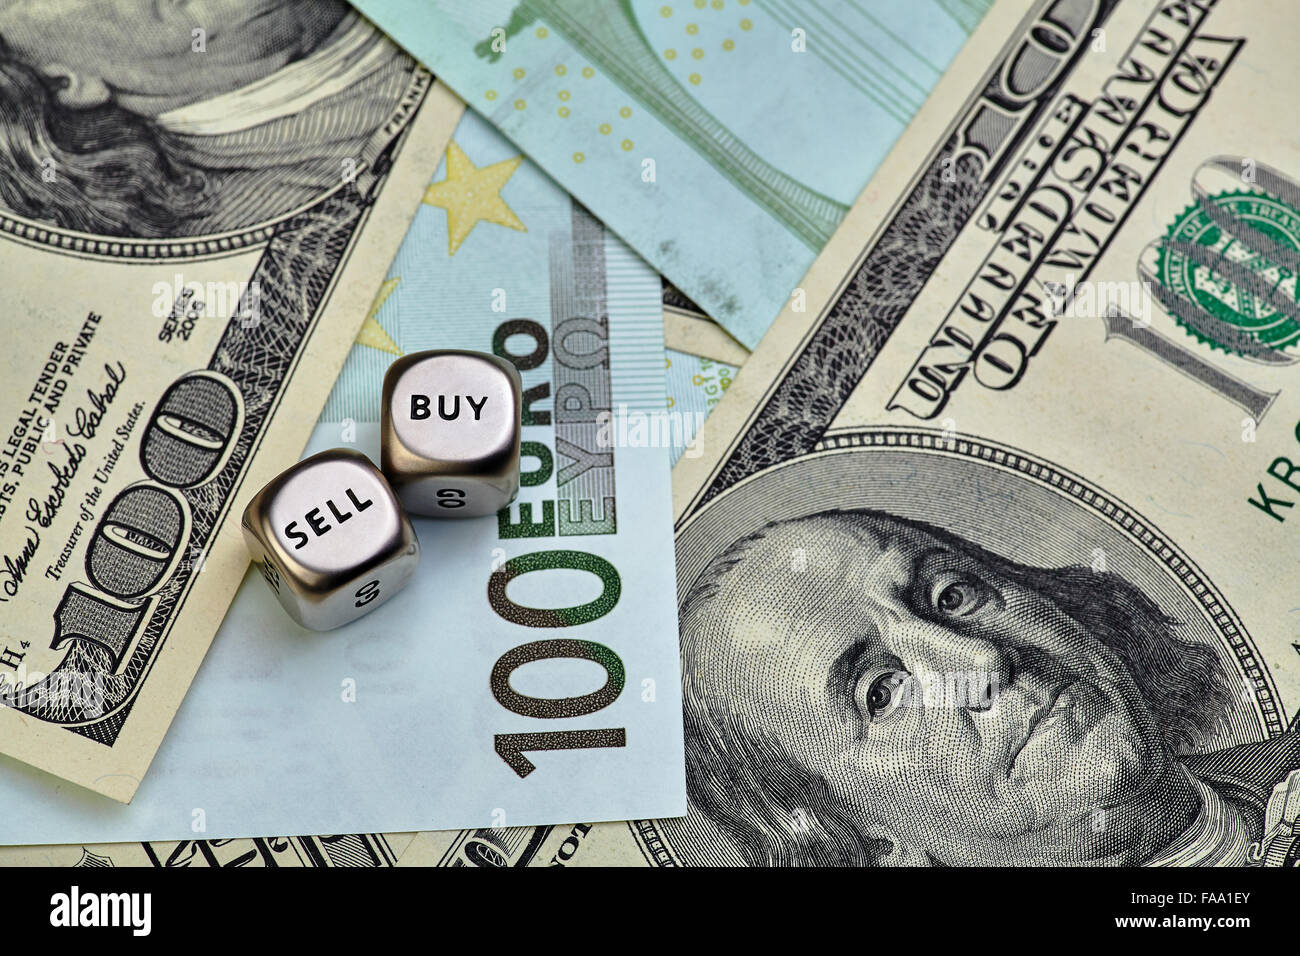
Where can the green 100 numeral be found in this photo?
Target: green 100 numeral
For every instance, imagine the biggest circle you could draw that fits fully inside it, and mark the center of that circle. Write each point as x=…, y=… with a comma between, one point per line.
x=511, y=747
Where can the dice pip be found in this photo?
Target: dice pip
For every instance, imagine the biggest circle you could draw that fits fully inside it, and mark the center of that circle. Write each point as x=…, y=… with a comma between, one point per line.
x=450, y=432
x=331, y=539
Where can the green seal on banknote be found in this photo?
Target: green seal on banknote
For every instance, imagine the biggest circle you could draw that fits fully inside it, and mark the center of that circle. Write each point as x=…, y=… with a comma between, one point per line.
x=1220, y=255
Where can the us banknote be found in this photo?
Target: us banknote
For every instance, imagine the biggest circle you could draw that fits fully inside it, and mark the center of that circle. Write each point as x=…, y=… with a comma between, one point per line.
x=723, y=141
x=195, y=207
x=335, y=850
x=985, y=558
x=528, y=674
x=687, y=328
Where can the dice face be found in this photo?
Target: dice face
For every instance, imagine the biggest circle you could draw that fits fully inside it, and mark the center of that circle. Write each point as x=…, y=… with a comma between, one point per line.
x=450, y=426
x=331, y=539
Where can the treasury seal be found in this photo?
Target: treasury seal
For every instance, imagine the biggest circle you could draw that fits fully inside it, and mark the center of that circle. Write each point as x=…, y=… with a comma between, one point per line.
x=1217, y=271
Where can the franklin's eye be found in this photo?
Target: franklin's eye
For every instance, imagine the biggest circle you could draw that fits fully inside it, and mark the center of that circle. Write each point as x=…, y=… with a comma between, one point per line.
x=954, y=596
x=881, y=693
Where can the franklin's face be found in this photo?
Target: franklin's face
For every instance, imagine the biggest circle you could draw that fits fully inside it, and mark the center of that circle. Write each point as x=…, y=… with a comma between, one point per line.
x=140, y=52
x=831, y=630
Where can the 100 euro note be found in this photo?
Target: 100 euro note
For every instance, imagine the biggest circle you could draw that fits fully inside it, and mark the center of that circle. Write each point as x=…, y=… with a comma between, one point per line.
x=723, y=141
x=182, y=284
x=528, y=673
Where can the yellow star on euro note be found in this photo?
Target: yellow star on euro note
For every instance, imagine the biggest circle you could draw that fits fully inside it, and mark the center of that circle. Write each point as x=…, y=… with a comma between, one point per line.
x=372, y=334
x=470, y=195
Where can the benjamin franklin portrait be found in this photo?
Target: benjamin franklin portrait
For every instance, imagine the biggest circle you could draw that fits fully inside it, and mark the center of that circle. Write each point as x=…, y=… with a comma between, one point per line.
x=133, y=118
x=1085, y=744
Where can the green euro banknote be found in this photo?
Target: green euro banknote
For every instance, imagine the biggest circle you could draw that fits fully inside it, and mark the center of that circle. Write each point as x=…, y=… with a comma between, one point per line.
x=528, y=674
x=723, y=140
x=695, y=385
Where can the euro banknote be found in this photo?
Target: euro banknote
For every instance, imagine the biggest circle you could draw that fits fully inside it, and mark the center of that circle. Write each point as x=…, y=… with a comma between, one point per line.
x=723, y=140
x=695, y=386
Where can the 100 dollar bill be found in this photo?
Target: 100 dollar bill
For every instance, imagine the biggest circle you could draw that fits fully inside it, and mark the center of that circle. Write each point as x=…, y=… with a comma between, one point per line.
x=184, y=273
x=1049, y=471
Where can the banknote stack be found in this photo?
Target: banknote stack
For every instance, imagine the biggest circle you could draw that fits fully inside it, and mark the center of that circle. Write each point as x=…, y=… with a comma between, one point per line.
x=910, y=436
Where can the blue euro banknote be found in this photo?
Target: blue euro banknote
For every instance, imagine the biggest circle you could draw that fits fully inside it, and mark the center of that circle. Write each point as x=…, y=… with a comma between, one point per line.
x=393, y=722
x=724, y=140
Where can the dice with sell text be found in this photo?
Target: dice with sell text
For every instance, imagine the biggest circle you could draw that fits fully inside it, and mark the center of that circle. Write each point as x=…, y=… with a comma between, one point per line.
x=331, y=539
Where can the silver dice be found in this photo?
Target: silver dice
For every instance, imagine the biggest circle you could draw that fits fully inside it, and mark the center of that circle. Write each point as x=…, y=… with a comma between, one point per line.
x=450, y=432
x=331, y=539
